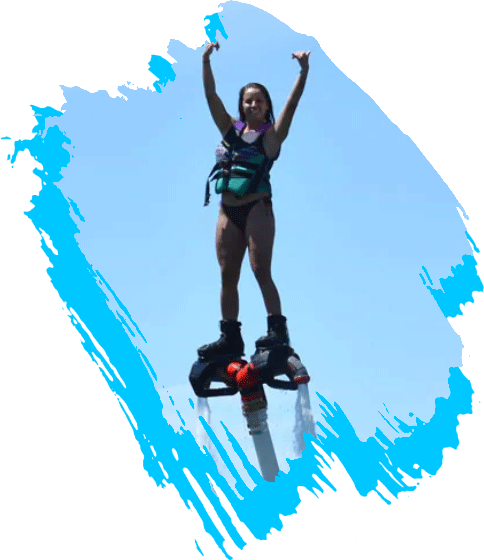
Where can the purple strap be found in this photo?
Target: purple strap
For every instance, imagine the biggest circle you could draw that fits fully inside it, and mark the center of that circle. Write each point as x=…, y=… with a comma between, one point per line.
x=240, y=125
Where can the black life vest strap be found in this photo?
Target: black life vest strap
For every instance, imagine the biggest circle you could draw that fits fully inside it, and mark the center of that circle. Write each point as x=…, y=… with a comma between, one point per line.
x=258, y=175
x=262, y=170
x=207, y=186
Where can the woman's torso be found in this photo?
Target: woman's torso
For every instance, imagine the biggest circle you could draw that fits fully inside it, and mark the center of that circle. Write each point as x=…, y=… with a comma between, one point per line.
x=229, y=198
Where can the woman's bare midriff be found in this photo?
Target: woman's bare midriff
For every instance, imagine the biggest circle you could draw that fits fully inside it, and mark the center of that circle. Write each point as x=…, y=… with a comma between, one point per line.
x=229, y=199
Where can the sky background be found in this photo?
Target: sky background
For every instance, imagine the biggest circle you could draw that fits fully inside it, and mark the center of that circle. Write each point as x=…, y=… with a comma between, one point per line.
x=359, y=211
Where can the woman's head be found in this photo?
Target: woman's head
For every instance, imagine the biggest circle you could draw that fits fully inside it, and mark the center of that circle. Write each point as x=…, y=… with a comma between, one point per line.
x=255, y=101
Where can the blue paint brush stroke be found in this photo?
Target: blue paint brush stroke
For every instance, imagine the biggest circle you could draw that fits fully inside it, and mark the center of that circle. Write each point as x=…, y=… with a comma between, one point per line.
x=427, y=275
x=379, y=459
x=458, y=289
x=163, y=70
x=472, y=243
x=75, y=209
x=81, y=287
x=198, y=548
x=214, y=25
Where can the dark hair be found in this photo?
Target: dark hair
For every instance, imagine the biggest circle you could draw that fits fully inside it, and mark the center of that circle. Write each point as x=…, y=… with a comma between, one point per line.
x=269, y=116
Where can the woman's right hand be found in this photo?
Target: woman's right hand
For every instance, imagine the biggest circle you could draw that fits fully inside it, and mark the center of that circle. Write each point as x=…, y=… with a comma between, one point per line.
x=209, y=49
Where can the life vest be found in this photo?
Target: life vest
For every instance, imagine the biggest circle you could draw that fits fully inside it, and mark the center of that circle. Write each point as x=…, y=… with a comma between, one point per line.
x=241, y=166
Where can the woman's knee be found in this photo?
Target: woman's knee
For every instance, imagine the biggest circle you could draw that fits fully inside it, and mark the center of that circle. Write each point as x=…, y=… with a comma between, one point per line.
x=262, y=274
x=230, y=275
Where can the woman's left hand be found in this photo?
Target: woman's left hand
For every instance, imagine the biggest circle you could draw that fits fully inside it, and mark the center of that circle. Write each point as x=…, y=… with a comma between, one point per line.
x=303, y=58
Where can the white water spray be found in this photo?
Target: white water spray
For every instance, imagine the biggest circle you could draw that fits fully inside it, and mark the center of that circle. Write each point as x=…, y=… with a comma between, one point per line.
x=304, y=422
x=203, y=439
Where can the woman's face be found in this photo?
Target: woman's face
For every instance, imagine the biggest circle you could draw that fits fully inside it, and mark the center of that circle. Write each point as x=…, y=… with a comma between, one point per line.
x=254, y=104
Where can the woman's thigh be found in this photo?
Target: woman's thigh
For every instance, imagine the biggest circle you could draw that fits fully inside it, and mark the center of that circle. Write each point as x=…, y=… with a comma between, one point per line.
x=231, y=245
x=260, y=232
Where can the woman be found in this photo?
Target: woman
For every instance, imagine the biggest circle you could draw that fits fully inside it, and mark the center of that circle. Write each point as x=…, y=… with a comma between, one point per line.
x=248, y=150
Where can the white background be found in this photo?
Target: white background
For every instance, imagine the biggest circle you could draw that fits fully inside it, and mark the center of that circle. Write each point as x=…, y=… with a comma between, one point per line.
x=72, y=481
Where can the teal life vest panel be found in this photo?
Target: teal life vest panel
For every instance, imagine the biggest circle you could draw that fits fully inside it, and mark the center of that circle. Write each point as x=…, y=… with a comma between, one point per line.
x=241, y=167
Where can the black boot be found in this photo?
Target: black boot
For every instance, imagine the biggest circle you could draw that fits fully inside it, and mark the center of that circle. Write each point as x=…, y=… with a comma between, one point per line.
x=230, y=342
x=276, y=333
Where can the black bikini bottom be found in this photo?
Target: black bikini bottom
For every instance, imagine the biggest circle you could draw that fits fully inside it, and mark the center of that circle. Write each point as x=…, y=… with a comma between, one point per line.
x=238, y=214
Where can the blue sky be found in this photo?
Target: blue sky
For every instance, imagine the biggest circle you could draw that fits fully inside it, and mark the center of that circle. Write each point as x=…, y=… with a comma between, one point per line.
x=359, y=212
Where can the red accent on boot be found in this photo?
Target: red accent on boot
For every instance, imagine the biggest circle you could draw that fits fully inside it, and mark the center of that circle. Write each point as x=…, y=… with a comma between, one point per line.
x=245, y=378
x=301, y=379
x=232, y=369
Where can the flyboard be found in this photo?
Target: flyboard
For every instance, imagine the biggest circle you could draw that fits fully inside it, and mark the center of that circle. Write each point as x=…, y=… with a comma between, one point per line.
x=237, y=375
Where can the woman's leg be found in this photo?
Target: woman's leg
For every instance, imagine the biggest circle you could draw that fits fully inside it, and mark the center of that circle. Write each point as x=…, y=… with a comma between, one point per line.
x=231, y=246
x=260, y=232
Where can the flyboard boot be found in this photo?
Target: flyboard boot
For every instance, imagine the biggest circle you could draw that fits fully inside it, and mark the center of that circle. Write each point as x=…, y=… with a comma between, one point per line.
x=272, y=353
x=277, y=334
x=218, y=362
x=274, y=357
x=230, y=342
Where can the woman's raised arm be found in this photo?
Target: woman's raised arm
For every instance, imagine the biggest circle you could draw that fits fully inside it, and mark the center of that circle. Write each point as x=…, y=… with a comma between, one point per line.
x=281, y=128
x=222, y=119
